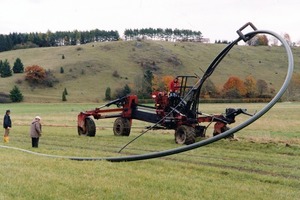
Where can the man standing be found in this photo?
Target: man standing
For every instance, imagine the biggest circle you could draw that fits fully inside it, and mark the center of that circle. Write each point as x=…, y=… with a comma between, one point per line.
x=174, y=85
x=35, y=131
x=6, y=126
x=173, y=94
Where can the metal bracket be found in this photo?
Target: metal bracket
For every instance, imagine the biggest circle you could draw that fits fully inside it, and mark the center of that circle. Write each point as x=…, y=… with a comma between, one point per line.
x=239, y=32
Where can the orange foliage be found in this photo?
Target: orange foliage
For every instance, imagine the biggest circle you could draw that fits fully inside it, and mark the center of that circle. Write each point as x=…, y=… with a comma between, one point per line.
x=35, y=73
x=262, y=40
x=250, y=85
x=161, y=83
x=235, y=83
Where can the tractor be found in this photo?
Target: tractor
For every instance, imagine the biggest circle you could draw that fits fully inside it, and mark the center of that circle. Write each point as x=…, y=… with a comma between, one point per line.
x=177, y=111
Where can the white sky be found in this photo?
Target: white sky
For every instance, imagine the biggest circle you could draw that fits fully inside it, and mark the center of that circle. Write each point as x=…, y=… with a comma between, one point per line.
x=216, y=19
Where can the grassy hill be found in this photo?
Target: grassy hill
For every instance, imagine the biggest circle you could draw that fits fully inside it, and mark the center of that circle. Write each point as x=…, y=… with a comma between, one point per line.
x=88, y=69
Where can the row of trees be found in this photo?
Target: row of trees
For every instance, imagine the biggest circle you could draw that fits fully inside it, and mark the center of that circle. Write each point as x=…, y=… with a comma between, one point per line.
x=59, y=38
x=233, y=88
x=164, y=34
x=62, y=38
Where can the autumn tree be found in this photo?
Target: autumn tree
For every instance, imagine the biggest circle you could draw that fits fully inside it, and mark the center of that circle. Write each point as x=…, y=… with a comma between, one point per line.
x=259, y=40
x=250, y=86
x=294, y=87
x=35, y=74
x=161, y=83
x=234, y=87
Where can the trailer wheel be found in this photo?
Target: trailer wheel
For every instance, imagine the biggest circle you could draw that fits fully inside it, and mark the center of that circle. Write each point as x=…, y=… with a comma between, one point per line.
x=90, y=128
x=185, y=135
x=122, y=127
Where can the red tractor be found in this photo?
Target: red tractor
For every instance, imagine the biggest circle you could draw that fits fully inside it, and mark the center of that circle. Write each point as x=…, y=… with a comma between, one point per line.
x=176, y=111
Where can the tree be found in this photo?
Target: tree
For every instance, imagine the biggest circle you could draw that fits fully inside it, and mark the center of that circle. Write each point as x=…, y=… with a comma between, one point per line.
x=65, y=91
x=64, y=98
x=18, y=66
x=293, y=89
x=121, y=92
x=127, y=90
x=16, y=95
x=209, y=89
x=161, y=83
x=250, y=85
x=262, y=87
x=5, y=69
x=148, y=77
x=1, y=65
x=287, y=38
x=35, y=74
x=262, y=40
x=234, y=84
x=259, y=40
x=108, y=93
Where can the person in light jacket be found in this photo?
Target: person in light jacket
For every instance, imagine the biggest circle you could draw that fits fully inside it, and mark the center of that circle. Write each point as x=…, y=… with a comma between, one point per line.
x=35, y=131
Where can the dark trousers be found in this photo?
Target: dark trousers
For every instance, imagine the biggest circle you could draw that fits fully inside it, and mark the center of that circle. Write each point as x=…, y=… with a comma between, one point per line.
x=35, y=142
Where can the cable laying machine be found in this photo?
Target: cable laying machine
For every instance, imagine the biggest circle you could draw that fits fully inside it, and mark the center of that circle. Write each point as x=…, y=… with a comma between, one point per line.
x=178, y=111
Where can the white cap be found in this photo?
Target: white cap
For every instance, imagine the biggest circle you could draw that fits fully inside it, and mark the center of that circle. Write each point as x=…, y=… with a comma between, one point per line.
x=38, y=117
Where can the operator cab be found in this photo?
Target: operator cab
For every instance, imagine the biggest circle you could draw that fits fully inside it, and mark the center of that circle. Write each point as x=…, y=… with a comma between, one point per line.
x=185, y=84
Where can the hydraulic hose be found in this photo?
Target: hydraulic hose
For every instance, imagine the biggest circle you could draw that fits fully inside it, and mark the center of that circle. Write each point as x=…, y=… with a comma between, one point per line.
x=209, y=140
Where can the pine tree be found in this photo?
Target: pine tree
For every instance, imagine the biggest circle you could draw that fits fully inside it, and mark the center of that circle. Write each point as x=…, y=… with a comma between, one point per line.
x=18, y=66
x=126, y=90
x=108, y=93
x=64, y=98
x=16, y=95
x=1, y=65
x=65, y=91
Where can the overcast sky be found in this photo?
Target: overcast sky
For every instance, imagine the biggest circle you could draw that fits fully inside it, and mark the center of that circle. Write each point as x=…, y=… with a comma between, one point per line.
x=216, y=19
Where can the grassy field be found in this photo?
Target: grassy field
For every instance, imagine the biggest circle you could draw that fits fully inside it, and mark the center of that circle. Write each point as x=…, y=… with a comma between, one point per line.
x=261, y=163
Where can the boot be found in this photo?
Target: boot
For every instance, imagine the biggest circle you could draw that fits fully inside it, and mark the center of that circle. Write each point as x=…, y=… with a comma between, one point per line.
x=5, y=139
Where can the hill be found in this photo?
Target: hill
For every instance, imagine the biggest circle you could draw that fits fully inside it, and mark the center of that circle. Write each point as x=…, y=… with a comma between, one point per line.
x=88, y=69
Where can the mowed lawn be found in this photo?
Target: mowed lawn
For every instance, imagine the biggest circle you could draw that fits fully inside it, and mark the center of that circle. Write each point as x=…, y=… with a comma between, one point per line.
x=262, y=162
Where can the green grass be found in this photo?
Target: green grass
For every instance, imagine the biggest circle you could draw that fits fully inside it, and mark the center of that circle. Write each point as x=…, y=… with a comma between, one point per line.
x=88, y=70
x=263, y=163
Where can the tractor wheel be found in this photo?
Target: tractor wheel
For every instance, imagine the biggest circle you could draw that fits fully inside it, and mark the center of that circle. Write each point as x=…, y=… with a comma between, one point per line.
x=90, y=128
x=122, y=127
x=185, y=135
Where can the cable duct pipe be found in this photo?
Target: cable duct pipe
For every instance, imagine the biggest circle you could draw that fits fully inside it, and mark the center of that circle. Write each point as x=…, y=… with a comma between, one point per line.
x=209, y=140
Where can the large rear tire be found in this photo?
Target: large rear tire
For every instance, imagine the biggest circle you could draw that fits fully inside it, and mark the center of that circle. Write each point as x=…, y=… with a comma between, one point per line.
x=185, y=135
x=122, y=127
x=90, y=128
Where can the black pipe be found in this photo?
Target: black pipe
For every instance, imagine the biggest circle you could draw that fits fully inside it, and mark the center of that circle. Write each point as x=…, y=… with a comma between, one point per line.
x=209, y=140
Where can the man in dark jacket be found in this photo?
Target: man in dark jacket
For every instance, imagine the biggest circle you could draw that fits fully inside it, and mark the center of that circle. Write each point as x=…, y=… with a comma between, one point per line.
x=6, y=126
